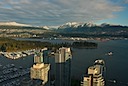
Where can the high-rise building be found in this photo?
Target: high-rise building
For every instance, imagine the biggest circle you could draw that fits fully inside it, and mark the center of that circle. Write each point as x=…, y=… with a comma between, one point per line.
x=46, y=56
x=63, y=67
x=42, y=57
x=40, y=70
x=38, y=57
x=88, y=80
x=95, y=75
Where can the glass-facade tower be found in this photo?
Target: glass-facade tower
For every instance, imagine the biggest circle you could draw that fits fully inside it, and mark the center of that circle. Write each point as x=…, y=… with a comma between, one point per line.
x=63, y=67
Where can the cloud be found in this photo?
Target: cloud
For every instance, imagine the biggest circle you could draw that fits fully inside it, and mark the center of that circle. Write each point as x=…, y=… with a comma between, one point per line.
x=53, y=12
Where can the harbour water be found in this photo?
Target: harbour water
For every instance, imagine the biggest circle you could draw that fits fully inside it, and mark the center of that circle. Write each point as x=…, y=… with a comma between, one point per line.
x=116, y=64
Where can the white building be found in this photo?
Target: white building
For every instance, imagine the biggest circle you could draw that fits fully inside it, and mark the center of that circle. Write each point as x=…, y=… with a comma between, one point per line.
x=40, y=70
x=95, y=76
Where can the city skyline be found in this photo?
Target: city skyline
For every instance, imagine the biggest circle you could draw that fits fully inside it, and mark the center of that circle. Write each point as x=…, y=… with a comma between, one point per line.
x=57, y=12
x=82, y=59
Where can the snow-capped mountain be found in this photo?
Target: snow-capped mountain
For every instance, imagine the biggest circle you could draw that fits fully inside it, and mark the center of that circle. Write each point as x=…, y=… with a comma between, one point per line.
x=89, y=24
x=46, y=27
x=84, y=25
x=13, y=24
x=50, y=27
x=70, y=24
x=76, y=25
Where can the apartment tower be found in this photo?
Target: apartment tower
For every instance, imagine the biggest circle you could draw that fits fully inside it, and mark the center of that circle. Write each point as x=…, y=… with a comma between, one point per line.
x=63, y=67
x=40, y=70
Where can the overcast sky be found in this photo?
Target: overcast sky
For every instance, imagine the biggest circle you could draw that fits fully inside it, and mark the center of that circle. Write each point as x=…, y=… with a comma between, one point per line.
x=57, y=12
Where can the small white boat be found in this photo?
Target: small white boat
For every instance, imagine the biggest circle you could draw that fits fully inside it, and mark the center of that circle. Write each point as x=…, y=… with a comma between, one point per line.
x=100, y=62
x=110, y=53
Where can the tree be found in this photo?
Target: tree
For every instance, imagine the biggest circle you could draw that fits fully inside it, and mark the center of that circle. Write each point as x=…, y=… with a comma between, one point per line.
x=3, y=48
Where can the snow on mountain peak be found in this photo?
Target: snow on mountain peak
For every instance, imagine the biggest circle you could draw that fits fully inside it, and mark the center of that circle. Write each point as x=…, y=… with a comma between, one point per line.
x=89, y=24
x=13, y=24
x=70, y=24
x=46, y=27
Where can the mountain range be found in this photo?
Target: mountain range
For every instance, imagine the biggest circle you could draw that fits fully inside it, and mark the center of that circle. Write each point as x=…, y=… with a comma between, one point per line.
x=70, y=27
x=75, y=25
x=93, y=29
x=12, y=24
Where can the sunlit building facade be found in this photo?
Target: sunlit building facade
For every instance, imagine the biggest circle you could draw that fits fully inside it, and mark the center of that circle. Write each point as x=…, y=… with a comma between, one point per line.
x=38, y=57
x=95, y=76
x=63, y=67
x=40, y=70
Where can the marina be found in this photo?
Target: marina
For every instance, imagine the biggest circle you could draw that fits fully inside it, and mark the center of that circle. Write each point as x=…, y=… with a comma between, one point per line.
x=13, y=83
x=17, y=55
x=11, y=75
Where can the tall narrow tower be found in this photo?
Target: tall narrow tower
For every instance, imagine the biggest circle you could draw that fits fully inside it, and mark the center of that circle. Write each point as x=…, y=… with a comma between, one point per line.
x=63, y=67
x=39, y=69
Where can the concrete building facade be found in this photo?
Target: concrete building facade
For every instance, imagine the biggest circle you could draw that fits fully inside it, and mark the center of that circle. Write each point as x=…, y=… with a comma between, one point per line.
x=40, y=70
x=95, y=76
